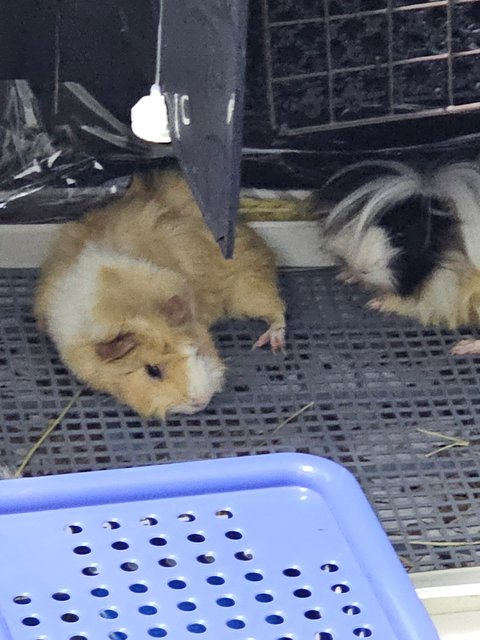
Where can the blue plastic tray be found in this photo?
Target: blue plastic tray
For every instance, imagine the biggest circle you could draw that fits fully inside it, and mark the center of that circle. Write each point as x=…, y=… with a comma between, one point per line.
x=278, y=547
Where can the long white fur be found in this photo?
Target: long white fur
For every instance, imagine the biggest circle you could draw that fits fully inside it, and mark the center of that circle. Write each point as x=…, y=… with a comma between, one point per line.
x=368, y=257
x=440, y=300
x=395, y=166
x=349, y=229
x=350, y=204
x=364, y=246
x=395, y=190
x=382, y=190
x=460, y=184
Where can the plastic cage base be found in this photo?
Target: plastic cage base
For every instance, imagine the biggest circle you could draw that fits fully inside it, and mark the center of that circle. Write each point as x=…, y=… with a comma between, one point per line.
x=269, y=548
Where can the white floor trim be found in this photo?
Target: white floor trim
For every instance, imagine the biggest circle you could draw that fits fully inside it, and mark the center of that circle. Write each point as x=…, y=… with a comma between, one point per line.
x=452, y=598
x=25, y=245
x=296, y=243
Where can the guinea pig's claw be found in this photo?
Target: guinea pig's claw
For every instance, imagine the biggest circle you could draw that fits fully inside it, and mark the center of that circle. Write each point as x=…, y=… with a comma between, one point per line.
x=376, y=304
x=468, y=347
x=347, y=277
x=276, y=338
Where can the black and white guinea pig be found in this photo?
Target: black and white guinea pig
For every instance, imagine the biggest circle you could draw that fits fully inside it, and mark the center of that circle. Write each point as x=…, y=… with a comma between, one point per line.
x=398, y=225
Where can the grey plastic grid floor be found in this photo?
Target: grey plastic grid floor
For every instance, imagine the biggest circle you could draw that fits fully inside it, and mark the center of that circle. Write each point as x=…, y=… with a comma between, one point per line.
x=374, y=382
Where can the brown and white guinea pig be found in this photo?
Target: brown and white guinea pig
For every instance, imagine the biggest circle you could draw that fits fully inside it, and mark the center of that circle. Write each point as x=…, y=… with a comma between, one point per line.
x=128, y=294
x=414, y=239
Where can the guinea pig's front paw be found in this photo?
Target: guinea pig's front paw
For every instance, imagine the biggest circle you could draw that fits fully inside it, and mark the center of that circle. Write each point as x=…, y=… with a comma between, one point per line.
x=273, y=335
x=468, y=347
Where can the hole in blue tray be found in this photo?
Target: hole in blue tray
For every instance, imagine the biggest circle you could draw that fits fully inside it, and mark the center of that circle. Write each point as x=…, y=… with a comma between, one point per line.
x=206, y=558
x=167, y=562
x=82, y=550
x=73, y=528
x=225, y=602
x=274, y=618
x=196, y=627
x=61, y=596
x=23, y=599
x=157, y=632
x=90, y=571
x=323, y=635
x=313, y=614
x=243, y=555
x=111, y=524
x=302, y=593
x=292, y=572
x=31, y=621
x=129, y=566
x=340, y=588
x=234, y=535
x=187, y=606
x=149, y=522
x=186, y=517
x=117, y=635
x=78, y=638
x=225, y=514
x=215, y=580
x=236, y=624
x=362, y=632
x=147, y=610
x=196, y=537
x=351, y=610
x=264, y=597
x=254, y=576
x=177, y=584
x=158, y=542
x=138, y=587
x=330, y=567
x=109, y=614
x=70, y=617
x=120, y=545
x=99, y=592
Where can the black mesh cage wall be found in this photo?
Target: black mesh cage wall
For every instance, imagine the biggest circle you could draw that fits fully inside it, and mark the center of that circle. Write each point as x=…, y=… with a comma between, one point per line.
x=351, y=74
x=337, y=76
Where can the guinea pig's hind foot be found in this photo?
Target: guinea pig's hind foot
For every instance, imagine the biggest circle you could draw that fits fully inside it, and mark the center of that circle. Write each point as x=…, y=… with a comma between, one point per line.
x=347, y=277
x=376, y=304
x=382, y=304
x=273, y=335
x=468, y=347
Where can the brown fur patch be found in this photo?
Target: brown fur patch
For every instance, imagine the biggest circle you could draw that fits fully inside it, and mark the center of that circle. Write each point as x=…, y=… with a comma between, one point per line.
x=175, y=310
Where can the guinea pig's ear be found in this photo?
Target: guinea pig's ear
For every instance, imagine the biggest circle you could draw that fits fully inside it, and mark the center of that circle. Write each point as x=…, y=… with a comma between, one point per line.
x=175, y=310
x=116, y=348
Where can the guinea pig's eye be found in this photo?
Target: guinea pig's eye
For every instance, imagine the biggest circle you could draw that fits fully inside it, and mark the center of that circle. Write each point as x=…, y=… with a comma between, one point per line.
x=153, y=371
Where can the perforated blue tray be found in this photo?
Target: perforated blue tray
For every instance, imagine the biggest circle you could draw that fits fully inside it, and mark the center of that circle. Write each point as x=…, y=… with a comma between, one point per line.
x=278, y=547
